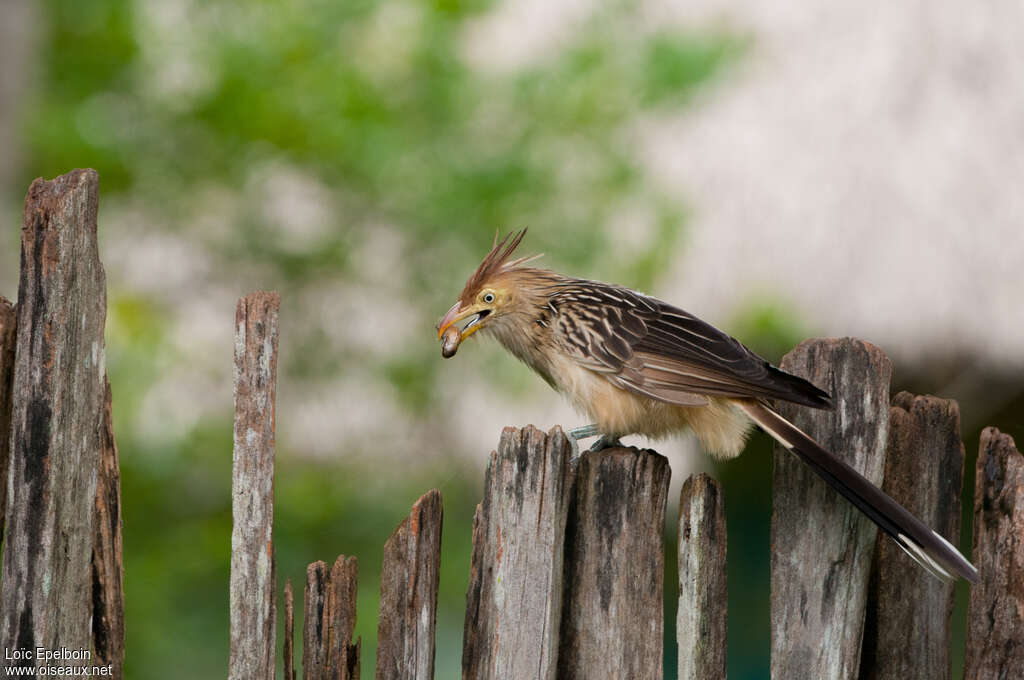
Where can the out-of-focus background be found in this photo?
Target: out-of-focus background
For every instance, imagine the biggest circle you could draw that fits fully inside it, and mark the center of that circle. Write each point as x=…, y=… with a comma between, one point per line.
x=780, y=169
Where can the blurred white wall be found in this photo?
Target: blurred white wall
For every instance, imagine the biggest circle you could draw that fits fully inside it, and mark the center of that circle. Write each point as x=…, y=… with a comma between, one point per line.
x=865, y=161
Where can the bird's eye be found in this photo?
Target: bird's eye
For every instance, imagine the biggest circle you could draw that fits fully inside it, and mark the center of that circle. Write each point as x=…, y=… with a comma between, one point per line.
x=488, y=298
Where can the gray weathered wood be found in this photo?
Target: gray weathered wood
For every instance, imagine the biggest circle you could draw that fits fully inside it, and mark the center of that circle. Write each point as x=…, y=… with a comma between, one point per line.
x=253, y=577
x=8, y=324
x=613, y=614
x=107, y=558
x=515, y=585
x=57, y=421
x=703, y=596
x=408, y=594
x=907, y=631
x=822, y=546
x=330, y=619
x=289, y=631
x=995, y=618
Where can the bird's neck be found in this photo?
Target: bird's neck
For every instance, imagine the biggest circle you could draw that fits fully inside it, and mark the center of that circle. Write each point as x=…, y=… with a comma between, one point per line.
x=526, y=331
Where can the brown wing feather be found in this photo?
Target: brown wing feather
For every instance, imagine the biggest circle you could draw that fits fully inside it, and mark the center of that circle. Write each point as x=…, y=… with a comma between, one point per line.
x=652, y=348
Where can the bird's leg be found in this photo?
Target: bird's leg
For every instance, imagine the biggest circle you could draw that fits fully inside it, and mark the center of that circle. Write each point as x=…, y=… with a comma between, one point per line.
x=592, y=430
x=584, y=431
x=578, y=433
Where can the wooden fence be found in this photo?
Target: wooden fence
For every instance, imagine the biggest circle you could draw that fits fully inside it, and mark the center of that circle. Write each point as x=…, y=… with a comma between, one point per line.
x=568, y=554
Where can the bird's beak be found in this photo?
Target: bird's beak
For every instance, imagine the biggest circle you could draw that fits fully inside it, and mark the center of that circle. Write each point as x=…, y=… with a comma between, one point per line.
x=457, y=314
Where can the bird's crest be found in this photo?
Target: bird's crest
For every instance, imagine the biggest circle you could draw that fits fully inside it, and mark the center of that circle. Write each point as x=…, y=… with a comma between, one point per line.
x=496, y=262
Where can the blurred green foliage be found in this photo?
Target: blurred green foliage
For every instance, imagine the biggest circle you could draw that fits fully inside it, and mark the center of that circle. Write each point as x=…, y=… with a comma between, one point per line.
x=177, y=102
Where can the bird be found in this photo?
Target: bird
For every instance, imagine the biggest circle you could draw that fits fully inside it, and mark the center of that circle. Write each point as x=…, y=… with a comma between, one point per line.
x=637, y=365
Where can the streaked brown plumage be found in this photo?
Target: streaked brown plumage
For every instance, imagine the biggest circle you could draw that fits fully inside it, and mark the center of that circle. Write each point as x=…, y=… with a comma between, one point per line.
x=637, y=365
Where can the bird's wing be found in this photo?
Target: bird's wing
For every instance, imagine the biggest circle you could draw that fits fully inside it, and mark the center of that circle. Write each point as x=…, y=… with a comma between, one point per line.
x=652, y=348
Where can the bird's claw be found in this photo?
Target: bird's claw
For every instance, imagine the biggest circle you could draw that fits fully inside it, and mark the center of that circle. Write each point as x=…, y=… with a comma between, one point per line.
x=605, y=441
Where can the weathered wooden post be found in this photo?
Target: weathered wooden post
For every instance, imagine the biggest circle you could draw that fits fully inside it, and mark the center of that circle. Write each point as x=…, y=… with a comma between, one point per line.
x=253, y=570
x=330, y=619
x=822, y=547
x=408, y=594
x=613, y=615
x=995, y=621
x=515, y=585
x=907, y=630
x=701, y=620
x=58, y=439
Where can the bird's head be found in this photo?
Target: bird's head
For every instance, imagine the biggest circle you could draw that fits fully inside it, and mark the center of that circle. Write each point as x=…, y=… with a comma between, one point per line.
x=492, y=293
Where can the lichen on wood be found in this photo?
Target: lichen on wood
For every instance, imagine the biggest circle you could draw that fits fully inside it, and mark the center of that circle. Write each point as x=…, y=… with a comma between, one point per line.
x=253, y=569
x=822, y=546
x=907, y=626
x=613, y=614
x=701, y=622
x=408, y=594
x=515, y=588
x=995, y=617
x=57, y=421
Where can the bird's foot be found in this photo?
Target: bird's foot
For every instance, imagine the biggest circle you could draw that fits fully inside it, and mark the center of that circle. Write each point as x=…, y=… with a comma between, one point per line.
x=603, y=442
x=578, y=433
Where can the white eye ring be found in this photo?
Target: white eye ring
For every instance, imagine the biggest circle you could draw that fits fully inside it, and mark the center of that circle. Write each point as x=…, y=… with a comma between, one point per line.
x=489, y=298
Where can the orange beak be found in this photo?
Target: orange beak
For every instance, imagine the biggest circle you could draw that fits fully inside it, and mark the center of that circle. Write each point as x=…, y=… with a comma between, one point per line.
x=450, y=317
x=457, y=313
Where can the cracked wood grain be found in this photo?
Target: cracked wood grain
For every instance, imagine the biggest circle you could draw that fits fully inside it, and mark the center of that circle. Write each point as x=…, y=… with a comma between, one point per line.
x=613, y=613
x=995, y=616
x=703, y=597
x=408, y=594
x=8, y=324
x=107, y=557
x=822, y=547
x=289, y=631
x=907, y=629
x=515, y=588
x=253, y=569
x=57, y=421
x=330, y=619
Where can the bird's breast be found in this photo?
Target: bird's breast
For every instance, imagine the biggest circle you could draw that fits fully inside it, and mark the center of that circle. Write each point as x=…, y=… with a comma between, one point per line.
x=721, y=427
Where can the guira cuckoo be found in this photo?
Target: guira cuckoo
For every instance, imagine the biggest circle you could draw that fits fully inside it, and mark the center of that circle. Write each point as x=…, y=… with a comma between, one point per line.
x=637, y=365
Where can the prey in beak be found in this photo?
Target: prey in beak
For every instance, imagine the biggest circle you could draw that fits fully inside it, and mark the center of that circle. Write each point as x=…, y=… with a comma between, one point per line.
x=451, y=334
x=486, y=296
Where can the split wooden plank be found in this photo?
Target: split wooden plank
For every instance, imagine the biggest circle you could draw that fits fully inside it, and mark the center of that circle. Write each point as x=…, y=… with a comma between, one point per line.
x=701, y=623
x=330, y=619
x=108, y=558
x=613, y=621
x=907, y=629
x=8, y=324
x=515, y=587
x=822, y=547
x=253, y=568
x=57, y=421
x=408, y=594
x=995, y=619
x=289, y=631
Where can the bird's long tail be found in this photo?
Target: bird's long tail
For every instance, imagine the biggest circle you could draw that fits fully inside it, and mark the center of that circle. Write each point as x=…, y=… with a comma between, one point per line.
x=926, y=547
